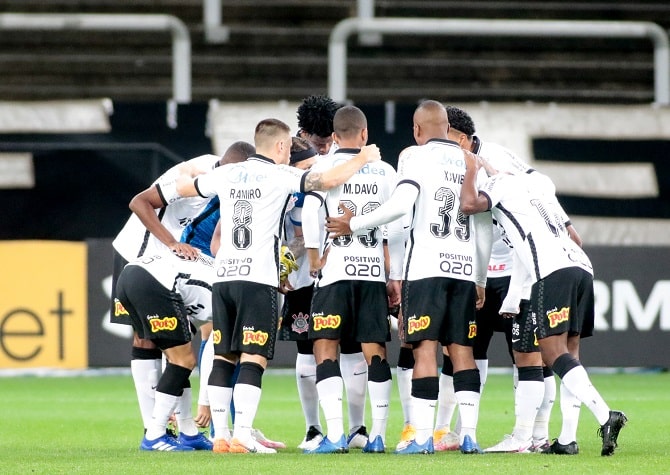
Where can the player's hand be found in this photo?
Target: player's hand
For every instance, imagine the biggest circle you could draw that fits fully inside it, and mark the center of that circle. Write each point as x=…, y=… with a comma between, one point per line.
x=285, y=286
x=371, y=153
x=204, y=416
x=316, y=261
x=393, y=293
x=481, y=297
x=185, y=251
x=471, y=160
x=339, y=225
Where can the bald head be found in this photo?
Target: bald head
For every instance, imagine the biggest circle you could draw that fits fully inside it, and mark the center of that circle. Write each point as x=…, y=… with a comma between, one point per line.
x=430, y=122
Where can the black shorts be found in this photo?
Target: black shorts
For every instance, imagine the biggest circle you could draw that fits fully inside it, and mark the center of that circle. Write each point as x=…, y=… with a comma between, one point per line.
x=440, y=309
x=114, y=315
x=351, y=310
x=564, y=302
x=489, y=319
x=156, y=313
x=245, y=318
x=524, y=330
x=294, y=324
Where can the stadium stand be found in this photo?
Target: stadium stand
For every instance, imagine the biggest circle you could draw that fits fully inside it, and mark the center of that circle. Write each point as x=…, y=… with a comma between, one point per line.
x=277, y=49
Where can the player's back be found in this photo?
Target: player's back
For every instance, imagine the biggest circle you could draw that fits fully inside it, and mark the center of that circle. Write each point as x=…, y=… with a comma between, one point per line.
x=253, y=198
x=134, y=240
x=534, y=223
x=441, y=242
x=358, y=257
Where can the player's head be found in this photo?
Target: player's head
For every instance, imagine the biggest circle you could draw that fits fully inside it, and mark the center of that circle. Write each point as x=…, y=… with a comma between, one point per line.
x=237, y=152
x=315, y=121
x=350, y=127
x=462, y=127
x=303, y=155
x=430, y=122
x=273, y=140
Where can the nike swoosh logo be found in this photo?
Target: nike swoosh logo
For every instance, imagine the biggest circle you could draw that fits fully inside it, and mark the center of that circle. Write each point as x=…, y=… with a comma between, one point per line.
x=307, y=375
x=514, y=341
x=358, y=374
x=153, y=388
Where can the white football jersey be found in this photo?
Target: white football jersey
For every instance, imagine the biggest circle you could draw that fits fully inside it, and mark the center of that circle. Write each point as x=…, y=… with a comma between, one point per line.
x=534, y=224
x=361, y=256
x=135, y=241
x=253, y=198
x=191, y=279
x=442, y=239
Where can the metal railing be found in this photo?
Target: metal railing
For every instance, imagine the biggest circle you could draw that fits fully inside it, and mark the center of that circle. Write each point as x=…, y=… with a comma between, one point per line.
x=337, y=45
x=181, y=40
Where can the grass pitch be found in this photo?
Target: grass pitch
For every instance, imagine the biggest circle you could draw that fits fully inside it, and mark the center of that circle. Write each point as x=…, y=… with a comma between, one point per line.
x=91, y=425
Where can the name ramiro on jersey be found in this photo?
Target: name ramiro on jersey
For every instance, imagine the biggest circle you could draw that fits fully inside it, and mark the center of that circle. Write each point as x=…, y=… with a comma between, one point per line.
x=360, y=188
x=247, y=194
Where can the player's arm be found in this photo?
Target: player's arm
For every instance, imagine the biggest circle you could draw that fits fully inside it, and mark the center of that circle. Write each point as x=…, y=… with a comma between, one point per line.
x=472, y=201
x=144, y=205
x=311, y=229
x=400, y=203
x=215, y=243
x=484, y=239
x=322, y=181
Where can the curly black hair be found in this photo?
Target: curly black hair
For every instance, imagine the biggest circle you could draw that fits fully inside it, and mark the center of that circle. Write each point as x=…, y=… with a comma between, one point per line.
x=315, y=115
x=461, y=120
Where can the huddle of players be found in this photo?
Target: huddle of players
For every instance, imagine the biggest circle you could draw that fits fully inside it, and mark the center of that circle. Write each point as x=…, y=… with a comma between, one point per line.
x=438, y=186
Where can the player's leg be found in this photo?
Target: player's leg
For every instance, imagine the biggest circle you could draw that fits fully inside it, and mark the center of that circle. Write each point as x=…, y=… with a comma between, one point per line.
x=294, y=326
x=443, y=437
x=528, y=397
x=354, y=370
x=372, y=328
x=330, y=388
x=182, y=356
x=424, y=398
x=404, y=370
x=247, y=395
x=146, y=369
x=305, y=375
x=379, y=389
x=541, y=426
x=572, y=289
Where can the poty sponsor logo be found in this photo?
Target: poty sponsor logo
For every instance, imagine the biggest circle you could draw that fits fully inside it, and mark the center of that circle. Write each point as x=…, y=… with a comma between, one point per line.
x=415, y=324
x=557, y=317
x=328, y=321
x=472, y=330
x=119, y=309
x=250, y=337
x=216, y=337
x=163, y=324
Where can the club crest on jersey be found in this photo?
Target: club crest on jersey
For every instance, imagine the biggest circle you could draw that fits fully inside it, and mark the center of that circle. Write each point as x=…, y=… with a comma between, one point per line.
x=300, y=323
x=253, y=337
x=216, y=336
x=162, y=324
x=416, y=324
x=119, y=309
x=558, y=316
x=326, y=321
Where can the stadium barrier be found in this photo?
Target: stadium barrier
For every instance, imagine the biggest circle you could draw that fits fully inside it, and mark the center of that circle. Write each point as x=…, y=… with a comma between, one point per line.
x=55, y=310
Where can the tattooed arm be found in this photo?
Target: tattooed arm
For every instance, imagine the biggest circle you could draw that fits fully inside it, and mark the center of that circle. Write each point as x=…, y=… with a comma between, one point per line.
x=322, y=181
